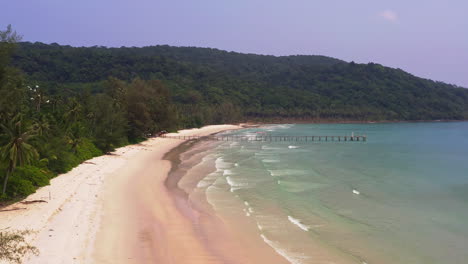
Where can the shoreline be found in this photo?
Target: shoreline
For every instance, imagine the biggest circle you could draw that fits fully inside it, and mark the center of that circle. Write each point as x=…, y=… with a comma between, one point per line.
x=219, y=235
x=113, y=209
x=121, y=208
x=239, y=221
x=333, y=121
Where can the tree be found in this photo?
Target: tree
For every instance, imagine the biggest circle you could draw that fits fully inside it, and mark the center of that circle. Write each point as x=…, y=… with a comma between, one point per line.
x=8, y=38
x=73, y=112
x=74, y=136
x=11, y=90
x=17, y=151
x=110, y=123
x=41, y=125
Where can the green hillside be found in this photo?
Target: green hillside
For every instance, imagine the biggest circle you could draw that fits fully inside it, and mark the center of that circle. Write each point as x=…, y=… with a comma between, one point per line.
x=249, y=86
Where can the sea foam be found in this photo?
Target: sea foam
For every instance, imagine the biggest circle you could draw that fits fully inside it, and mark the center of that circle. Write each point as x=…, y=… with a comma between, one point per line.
x=203, y=184
x=227, y=172
x=298, y=223
x=236, y=185
x=221, y=164
x=270, y=161
x=286, y=172
x=284, y=126
x=246, y=213
x=233, y=183
x=259, y=227
x=284, y=253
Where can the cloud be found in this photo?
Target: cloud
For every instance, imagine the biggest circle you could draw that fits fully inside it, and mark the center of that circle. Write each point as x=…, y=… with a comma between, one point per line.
x=389, y=15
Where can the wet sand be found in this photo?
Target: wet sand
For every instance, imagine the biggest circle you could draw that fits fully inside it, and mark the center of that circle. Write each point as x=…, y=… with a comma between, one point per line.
x=231, y=243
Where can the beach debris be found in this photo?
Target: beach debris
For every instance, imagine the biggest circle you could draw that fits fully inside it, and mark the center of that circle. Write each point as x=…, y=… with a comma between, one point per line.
x=33, y=201
x=13, y=209
x=356, y=192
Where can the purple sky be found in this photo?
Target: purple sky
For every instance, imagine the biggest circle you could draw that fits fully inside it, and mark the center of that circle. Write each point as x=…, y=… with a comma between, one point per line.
x=425, y=37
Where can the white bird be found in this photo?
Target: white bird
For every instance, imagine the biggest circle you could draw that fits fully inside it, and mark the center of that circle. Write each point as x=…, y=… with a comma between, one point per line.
x=356, y=192
x=37, y=86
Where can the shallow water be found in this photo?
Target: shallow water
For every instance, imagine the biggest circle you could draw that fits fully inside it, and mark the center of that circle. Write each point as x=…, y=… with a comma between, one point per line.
x=400, y=197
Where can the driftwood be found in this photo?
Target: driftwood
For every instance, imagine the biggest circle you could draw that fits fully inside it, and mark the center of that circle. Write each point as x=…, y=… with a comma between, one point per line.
x=34, y=201
x=13, y=209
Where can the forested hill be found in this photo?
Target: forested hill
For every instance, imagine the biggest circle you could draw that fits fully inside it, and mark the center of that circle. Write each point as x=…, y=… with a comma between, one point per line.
x=203, y=82
x=61, y=105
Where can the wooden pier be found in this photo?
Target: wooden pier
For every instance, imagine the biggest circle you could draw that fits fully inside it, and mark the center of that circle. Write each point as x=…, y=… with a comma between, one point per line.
x=267, y=138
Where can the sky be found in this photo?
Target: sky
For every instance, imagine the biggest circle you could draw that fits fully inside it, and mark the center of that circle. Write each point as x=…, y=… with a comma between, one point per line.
x=427, y=38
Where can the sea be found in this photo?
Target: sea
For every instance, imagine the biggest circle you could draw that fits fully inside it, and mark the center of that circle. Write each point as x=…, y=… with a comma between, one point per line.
x=399, y=197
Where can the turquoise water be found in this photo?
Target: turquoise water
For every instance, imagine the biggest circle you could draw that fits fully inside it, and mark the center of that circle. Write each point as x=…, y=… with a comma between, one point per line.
x=400, y=197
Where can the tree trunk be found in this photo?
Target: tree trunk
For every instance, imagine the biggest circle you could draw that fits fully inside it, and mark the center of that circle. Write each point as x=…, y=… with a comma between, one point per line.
x=8, y=173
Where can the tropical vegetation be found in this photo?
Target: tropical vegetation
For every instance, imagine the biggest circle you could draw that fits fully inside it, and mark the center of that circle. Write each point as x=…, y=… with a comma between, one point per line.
x=61, y=105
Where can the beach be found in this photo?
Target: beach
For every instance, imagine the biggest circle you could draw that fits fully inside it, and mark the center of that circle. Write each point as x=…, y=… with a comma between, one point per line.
x=117, y=209
x=206, y=201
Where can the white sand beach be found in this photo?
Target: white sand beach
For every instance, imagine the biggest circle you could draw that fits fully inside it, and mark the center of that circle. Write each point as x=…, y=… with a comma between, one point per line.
x=113, y=209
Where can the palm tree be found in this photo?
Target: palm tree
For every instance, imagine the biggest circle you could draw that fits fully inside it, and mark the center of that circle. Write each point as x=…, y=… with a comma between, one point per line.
x=17, y=151
x=41, y=126
x=73, y=136
x=73, y=112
